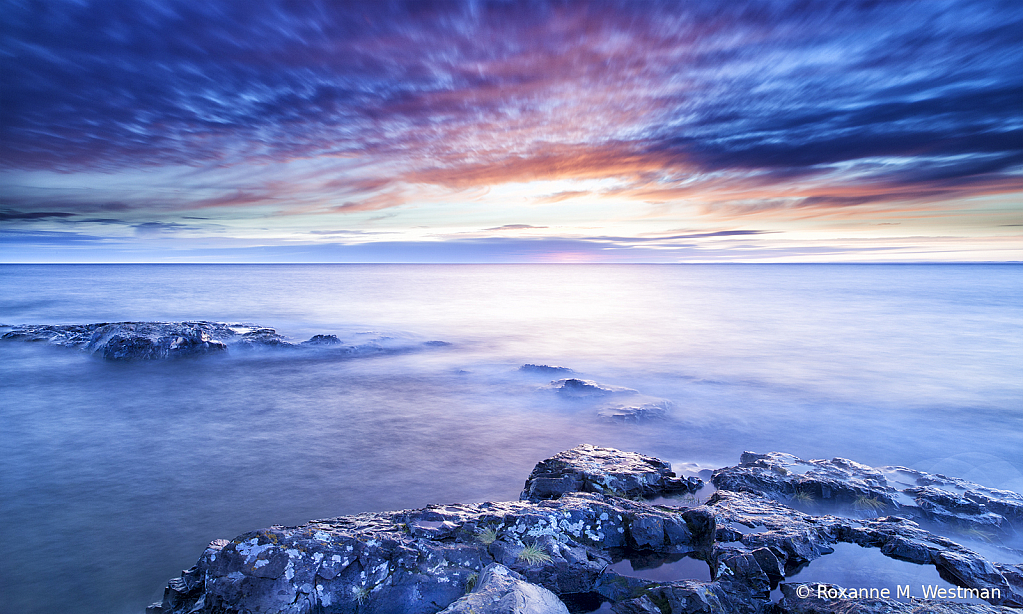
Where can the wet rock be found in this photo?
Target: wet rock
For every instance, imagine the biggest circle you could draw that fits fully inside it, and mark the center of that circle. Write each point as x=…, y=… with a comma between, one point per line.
x=502, y=591
x=640, y=605
x=419, y=561
x=544, y=369
x=588, y=468
x=842, y=483
x=322, y=340
x=574, y=388
x=796, y=539
x=565, y=535
x=130, y=341
x=791, y=479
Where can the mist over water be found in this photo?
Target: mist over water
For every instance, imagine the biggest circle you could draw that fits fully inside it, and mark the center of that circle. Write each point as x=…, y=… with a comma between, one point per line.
x=114, y=477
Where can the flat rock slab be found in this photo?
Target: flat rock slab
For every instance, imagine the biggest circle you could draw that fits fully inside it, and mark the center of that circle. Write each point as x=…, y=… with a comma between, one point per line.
x=843, y=485
x=588, y=468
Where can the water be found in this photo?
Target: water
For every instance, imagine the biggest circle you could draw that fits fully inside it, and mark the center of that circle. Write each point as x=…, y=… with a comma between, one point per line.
x=114, y=477
x=862, y=569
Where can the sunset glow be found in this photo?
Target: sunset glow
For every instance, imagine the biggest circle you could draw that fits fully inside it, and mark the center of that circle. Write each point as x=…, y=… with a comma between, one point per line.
x=496, y=132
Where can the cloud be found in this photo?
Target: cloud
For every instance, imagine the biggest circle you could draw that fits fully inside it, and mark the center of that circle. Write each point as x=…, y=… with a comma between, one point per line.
x=347, y=232
x=157, y=228
x=47, y=238
x=560, y=196
x=515, y=227
x=11, y=215
x=771, y=108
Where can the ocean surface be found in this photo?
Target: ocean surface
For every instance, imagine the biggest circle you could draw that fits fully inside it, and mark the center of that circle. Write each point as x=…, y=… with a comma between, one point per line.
x=114, y=477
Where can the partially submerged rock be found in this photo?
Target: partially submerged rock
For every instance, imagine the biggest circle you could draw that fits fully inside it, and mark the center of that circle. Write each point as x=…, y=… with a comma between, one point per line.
x=561, y=543
x=127, y=341
x=575, y=388
x=614, y=403
x=838, y=483
x=544, y=369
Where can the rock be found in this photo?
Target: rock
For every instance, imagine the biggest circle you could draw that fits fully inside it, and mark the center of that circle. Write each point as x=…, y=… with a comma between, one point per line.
x=128, y=341
x=574, y=388
x=545, y=369
x=587, y=468
x=131, y=340
x=419, y=561
x=640, y=605
x=502, y=591
x=634, y=412
x=840, y=483
x=321, y=340
x=619, y=404
x=561, y=540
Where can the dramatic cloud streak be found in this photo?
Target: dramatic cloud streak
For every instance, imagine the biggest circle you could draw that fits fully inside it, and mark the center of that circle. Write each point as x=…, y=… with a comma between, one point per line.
x=277, y=117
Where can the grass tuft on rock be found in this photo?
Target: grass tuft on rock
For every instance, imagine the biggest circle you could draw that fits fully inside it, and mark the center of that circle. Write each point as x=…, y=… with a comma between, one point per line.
x=869, y=504
x=534, y=555
x=487, y=536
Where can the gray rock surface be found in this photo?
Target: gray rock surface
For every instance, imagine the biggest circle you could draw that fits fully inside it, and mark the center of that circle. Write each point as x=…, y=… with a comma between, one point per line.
x=575, y=388
x=612, y=403
x=844, y=485
x=568, y=535
x=588, y=468
x=128, y=341
x=419, y=561
x=502, y=591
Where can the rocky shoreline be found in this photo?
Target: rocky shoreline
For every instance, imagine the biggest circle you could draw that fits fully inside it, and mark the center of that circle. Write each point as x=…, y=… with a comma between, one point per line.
x=585, y=512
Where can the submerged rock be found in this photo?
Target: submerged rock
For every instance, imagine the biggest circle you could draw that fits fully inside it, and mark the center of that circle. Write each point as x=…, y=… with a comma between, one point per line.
x=561, y=544
x=545, y=369
x=128, y=341
x=634, y=412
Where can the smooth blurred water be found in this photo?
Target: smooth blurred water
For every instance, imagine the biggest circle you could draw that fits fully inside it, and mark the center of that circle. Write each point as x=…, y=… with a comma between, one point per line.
x=114, y=477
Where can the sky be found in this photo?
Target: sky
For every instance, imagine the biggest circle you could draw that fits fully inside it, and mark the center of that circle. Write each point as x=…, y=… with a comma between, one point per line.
x=696, y=131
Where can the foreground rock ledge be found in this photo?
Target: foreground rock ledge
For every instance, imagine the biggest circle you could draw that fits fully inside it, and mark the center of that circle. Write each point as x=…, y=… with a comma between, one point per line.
x=553, y=550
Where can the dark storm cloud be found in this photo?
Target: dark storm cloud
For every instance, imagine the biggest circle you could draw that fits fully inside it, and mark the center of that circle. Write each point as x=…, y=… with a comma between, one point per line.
x=464, y=94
